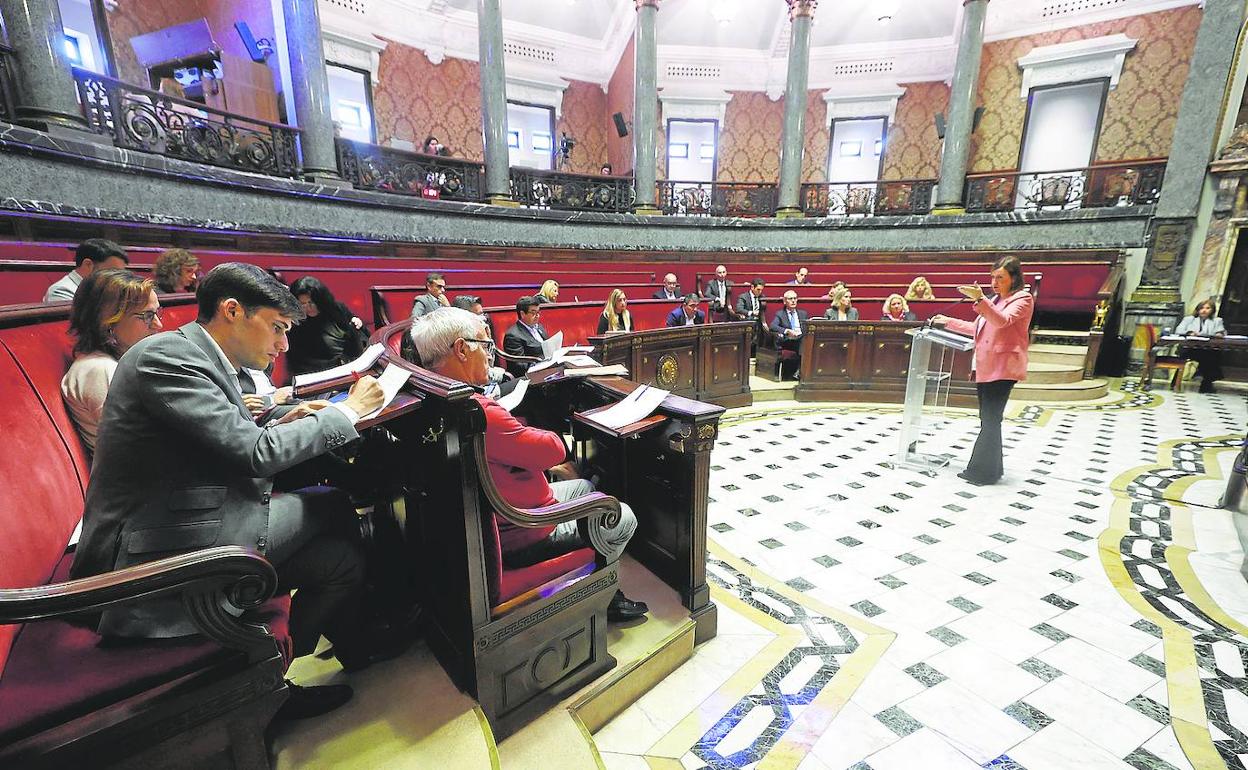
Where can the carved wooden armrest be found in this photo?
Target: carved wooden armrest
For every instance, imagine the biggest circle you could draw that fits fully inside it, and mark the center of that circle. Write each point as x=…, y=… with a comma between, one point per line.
x=203, y=578
x=516, y=357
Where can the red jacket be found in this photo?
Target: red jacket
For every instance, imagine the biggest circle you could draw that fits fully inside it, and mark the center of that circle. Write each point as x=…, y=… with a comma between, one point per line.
x=518, y=457
x=1001, y=336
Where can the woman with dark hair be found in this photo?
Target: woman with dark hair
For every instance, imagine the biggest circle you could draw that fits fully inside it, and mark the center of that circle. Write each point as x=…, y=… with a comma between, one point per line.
x=330, y=335
x=1001, y=340
x=113, y=309
x=176, y=271
x=1204, y=322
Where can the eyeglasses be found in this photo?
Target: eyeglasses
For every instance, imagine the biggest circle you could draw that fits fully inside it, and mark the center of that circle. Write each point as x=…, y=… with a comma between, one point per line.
x=149, y=317
x=487, y=345
x=441, y=286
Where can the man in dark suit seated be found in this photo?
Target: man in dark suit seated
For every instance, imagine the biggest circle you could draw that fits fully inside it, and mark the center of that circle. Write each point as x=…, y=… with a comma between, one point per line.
x=526, y=335
x=752, y=307
x=789, y=325
x=801, y=277
x=180, y=464
x=452, y=343
x=719, y=295
x=687, y=314
x=434, y=296
x=670, y=290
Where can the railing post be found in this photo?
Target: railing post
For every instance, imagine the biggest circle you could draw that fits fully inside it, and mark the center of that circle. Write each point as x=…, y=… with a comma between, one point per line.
x=310, y=84
x=645, y=106
x=494, y=102
x=956, y=150
x=801, y=12
x=46, y=94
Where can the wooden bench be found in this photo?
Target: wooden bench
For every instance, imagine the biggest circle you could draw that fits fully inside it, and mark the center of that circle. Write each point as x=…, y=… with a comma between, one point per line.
x=394, y=303
x=66, y=699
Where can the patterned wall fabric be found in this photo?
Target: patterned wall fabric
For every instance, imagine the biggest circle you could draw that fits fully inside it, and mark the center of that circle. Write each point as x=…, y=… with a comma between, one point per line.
x=1139, y=114
x=815, y=156
x=416, y=98
x=620, y=99
x=749, y=146
x=585, y=119
x=912, y=150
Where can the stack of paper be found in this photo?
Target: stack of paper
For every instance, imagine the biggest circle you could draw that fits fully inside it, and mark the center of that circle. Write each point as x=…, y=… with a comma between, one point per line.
x=513, y=399
x=391, y=382
x=597, y=371
x=554, y=353
x=358, y=366
x=634, y=407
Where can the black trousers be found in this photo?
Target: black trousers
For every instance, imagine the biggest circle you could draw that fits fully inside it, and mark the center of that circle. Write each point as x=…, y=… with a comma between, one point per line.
x=1209, y=367
x=986, y=463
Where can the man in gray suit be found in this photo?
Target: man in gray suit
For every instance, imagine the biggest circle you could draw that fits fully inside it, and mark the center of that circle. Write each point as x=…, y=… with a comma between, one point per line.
x=180, y=465
x=718, y=294
x=434, y=296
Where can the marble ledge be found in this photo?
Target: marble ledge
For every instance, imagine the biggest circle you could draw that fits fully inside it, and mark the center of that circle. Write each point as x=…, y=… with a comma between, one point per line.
x=23, y=141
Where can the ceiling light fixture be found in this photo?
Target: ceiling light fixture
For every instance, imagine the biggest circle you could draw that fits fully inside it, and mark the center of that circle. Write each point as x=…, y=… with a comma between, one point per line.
x=723, y=11
x=886, y=10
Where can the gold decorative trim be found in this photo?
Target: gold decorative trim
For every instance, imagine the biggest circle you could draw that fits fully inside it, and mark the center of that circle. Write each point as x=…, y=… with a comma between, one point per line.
x=488, y=734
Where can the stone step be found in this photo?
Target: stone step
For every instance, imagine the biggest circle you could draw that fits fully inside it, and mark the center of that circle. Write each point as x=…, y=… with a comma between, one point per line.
x=1042, y=373
x=1083, y=390
x=1048, y=353
x=1063, y=336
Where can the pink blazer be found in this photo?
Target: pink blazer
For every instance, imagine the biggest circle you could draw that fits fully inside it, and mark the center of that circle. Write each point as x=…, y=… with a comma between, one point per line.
x=1001, y=336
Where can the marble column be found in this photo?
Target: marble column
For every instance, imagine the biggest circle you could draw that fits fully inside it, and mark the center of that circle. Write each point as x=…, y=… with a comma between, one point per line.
x=1157, y=298
x=955, y=153
x=47, y=97
x=494, y=102
x=645, y=107
x=310, y=82
x=801, y=14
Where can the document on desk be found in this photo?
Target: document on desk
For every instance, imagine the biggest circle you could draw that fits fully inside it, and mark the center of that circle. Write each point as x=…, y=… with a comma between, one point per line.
x=597, y=371
x=636, y=406
x=391, y=382
x=513, y=399
x=358, y=366
x=551, y=345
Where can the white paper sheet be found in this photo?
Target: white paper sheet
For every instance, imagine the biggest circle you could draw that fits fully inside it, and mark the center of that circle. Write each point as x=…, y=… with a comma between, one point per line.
x=597, y=371
x=551, y=345
x=391, y=382
x=513, y=399
x=366, y=359
x=637, y=405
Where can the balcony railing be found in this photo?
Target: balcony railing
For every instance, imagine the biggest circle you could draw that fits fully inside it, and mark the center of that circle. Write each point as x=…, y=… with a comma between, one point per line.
x=571, y=192
x=717, y=199
x=8, y=104
x=373, y=167
x=141, y=119
x=1102, y=186
x=891, y=197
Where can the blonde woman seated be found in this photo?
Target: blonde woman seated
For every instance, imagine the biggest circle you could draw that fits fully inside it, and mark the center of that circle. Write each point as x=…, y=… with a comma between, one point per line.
x=841, y=309
x=113, y=309
x=896, y=309
x=920, y=289
x=548, y=293
x=615, y=316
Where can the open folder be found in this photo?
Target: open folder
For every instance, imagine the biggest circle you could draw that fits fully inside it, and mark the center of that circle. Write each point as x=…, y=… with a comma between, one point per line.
x=358, y=366
x=634, y=407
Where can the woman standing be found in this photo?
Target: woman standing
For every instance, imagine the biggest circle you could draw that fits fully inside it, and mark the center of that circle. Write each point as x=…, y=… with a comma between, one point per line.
x=1204, y=322
x=1001, y=340
x=330, y=335
x=615, y=316
x=113, y=309
x=841, y=309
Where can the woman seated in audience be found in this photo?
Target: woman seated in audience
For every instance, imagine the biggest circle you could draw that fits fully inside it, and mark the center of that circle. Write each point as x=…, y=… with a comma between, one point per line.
x=615, y=316
x=832, y=291
x=1204, y=322
x=176, y=271
x=548, y=293
x=113, y=309
x=841, y=309
x=896, y=309
x=920, y=289
x=329, y=336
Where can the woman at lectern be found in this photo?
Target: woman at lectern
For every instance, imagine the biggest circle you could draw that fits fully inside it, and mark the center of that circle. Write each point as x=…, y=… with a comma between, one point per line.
x=1001, y=340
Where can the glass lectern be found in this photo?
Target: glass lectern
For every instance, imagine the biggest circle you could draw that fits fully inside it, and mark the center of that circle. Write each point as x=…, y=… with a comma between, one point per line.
x=927, y=394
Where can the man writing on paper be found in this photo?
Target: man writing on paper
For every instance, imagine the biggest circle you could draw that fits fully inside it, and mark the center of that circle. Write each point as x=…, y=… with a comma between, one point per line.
x=453, y=343
x=181, y=465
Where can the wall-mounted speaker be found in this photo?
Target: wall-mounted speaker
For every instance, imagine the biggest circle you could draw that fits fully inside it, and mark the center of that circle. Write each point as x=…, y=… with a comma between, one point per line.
x=940, y=125
x=621, y=127
x=254, y=49
x=979, y=114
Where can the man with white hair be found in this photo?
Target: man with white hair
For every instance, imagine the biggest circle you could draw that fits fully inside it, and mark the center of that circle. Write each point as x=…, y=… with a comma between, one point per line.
x=671, y=288
x=454, y=343
x=719, y=294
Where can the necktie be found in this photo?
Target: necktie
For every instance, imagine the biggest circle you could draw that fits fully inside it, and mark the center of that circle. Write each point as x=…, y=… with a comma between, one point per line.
x=793, y=321
x=245, y=383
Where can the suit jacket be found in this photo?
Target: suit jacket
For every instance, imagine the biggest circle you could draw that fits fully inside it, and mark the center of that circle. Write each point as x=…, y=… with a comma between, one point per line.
x=746, y=309
x=181, y=465
x=1210, y=327
x=677, y=317
x=850, y=315
x=662, y=294
x=781, y=322
x=626, y=323
x=425, y=303
x=909, y=315
x=1001, y=336
x=519, y=342
x=713, y=289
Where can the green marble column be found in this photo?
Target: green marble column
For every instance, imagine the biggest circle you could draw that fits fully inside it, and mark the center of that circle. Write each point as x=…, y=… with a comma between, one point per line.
x=955, y=153
x=494, y=102
x=310, y=90
x=801, y=13
x=645, y=106
x=47, y=97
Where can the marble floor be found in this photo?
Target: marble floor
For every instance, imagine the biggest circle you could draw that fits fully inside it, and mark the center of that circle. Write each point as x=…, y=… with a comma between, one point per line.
x=1086, y=612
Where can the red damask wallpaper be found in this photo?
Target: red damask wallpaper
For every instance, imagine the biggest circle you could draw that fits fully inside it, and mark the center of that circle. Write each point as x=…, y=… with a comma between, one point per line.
x=620, y=99
x=585, y=119
x=912, y=150
x=416, y=98
x=815, y=156
x=1139, y=114
x=749, y=146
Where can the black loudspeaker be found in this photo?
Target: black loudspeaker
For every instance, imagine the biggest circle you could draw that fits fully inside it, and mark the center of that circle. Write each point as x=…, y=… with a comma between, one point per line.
x=621, y=127
x=979, y=114
x=249, y=40
x=940, y=125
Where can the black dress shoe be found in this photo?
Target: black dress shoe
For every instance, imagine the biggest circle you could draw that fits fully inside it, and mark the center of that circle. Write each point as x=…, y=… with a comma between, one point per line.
x=380, y=648
x=305, y=702
x=622, y=609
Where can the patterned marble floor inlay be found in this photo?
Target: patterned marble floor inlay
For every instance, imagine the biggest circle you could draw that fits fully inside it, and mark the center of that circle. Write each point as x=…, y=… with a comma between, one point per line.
x=1088, y=611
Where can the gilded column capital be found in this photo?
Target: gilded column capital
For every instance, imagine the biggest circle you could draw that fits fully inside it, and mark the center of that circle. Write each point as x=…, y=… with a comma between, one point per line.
x=801, y=8
x=643, y=3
